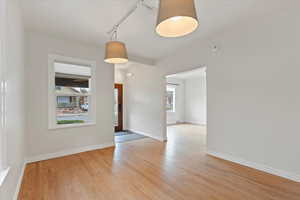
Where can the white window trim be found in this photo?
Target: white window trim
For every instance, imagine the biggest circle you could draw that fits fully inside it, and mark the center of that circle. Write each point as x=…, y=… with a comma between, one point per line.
x=3, y=174
x=52, y=96
x=173, y=89
x=4, y=169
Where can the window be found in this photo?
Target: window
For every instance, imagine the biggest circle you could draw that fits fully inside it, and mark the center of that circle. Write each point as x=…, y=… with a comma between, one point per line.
x=170, y=97
x=3, y=139
x=3, y=165
x=71, y=92
x=116, y=105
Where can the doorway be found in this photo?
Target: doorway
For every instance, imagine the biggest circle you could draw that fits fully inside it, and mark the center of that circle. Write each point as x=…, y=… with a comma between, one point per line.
x=118, y=107
x=186, y=105
x=122, y=133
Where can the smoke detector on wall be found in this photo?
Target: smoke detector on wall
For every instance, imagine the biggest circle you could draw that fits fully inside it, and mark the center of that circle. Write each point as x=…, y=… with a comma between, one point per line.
x=214, y=48
x=129, y=74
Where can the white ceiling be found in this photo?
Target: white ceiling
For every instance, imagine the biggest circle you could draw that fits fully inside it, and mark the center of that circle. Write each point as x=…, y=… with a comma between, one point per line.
x=196, y=73
x=89, y=20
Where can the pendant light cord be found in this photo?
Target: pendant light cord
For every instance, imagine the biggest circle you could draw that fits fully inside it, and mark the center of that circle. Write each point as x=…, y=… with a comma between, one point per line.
x=114, y=35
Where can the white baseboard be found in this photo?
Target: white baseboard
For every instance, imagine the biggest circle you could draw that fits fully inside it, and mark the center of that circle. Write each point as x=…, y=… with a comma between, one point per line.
x=196, y=123
x=261, y=167
x=19, y=182
x=149, y=135
x=172, y=124
x=68, y=152
x=176, y=123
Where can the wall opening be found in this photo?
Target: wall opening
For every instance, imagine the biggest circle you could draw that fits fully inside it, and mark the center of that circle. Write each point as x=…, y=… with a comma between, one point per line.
x=186, y=104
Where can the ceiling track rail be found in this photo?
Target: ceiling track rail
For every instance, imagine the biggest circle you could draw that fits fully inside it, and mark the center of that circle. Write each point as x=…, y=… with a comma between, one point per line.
x=137, y=4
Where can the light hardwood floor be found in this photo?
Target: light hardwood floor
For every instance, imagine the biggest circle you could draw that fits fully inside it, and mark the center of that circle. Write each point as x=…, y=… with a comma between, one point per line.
x=147, y=169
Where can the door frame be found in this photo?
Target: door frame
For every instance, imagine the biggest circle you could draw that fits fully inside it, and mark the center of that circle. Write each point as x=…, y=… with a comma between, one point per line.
x=120, y=107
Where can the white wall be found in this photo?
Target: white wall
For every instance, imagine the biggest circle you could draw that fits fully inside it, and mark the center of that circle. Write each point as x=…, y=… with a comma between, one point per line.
x=146, y=100
x=15, y=121
x=120, y=76
x=252, y=85
x=178, y=115
x=41, y=140
x=195, y=100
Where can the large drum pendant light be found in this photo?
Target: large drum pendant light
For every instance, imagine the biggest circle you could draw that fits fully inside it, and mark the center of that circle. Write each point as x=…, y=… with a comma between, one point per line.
x=116, y=52
x=176, y=18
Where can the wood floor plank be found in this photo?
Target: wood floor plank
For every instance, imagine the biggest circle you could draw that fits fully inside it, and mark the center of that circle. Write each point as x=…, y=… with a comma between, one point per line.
x=150, y=170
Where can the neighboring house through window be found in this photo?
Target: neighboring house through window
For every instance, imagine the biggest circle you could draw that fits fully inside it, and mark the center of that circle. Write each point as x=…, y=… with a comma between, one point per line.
x=71, y=92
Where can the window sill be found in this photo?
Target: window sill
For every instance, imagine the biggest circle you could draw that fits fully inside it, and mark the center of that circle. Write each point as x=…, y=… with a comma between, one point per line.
x=72, y=125
x=3, y=175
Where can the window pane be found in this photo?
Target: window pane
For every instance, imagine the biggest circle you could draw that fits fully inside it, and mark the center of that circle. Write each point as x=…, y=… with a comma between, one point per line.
x=72, y=76
x=169, y=100
x=72, y=87
x=116, y=110
x=59, y=90
x=71, y=81
x=72, y=109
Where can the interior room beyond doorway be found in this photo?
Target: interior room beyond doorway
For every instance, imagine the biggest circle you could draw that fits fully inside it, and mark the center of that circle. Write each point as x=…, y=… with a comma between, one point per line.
x=186, y=101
